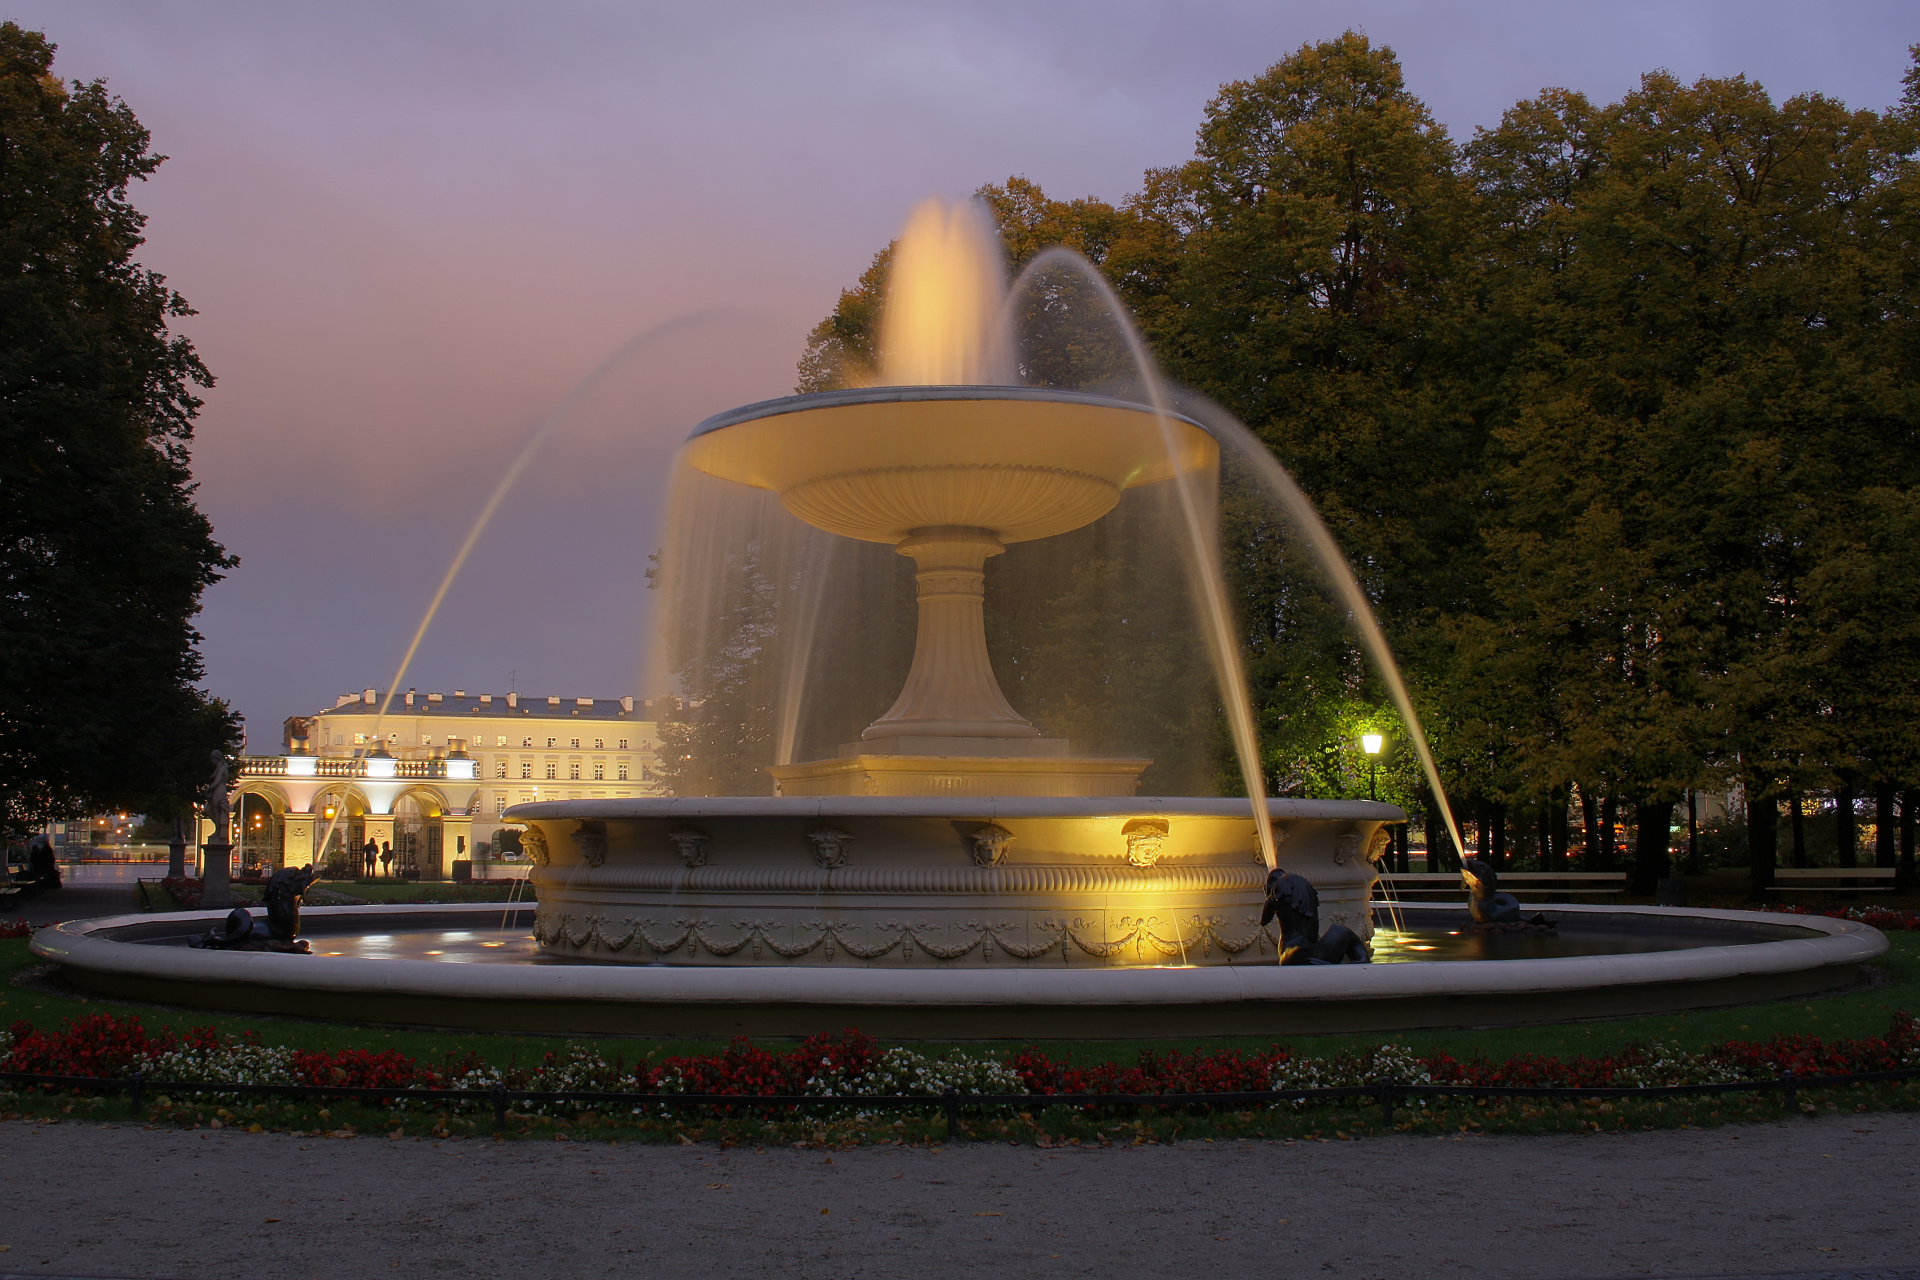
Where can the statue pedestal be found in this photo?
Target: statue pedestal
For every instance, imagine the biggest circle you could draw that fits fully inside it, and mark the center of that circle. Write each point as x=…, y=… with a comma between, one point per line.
x=216, y=885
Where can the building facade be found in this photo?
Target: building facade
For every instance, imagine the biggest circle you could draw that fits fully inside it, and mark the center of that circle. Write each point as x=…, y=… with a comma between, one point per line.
x=431, y=777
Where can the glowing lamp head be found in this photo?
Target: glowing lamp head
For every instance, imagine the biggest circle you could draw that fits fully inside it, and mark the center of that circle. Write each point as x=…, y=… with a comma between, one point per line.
x=1371, y=743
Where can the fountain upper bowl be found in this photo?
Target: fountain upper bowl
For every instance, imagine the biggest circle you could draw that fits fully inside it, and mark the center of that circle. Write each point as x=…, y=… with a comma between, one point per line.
x=882, y=463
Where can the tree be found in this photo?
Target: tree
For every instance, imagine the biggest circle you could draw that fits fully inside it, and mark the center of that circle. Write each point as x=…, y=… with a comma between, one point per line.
x=103, y=553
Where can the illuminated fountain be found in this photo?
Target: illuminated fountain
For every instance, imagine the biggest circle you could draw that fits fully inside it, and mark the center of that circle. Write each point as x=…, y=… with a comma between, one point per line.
x=955, y=871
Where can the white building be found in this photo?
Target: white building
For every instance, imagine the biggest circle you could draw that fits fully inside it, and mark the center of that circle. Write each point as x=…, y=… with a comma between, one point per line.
x=431, y=776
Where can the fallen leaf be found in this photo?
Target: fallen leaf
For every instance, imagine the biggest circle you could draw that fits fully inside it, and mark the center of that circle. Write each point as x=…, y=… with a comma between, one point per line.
x=826, y=1211
x=718, y=1186
x=273, y=1219
x=990, y=1214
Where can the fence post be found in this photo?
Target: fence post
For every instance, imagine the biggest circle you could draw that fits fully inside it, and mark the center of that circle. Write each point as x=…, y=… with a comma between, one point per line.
x=951, y=1101
x=136, y=1090
x=1793, y=1095
x=499, y=1110
x=1384, y=1090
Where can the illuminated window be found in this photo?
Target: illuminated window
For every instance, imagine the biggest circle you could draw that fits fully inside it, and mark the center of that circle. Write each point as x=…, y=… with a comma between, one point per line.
x=575, y=744
x=526, y=768
x=623, y=744
x=552, y=772
x=500, y=769
x=502, y=742
x=426, y=741
x=552, y=741
x=623, y=773
x=526, y=742
x=573, y=771
x=500, y=803
x=599, y=771
x=359, y=738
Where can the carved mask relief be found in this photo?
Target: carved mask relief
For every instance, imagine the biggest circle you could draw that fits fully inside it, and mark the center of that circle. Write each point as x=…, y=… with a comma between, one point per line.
x=988, y=845
x=533, y=842
x=830, y=846
x=691, y=843
x=1146, y=838
x=592, y=839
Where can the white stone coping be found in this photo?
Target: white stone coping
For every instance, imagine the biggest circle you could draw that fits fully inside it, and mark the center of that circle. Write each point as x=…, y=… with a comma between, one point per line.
x=986, y=808
x=1834, y=942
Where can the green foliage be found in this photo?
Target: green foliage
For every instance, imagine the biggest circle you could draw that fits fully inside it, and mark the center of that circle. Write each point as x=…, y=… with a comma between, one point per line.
x=103, y=552
x=1613, y=409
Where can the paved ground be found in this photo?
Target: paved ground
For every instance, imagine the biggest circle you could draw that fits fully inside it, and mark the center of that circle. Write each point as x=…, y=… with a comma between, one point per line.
x=87, y=890
x=1836, y=1195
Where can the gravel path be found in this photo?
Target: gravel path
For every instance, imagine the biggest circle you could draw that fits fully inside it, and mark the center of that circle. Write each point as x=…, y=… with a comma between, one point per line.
x=1834, y=1195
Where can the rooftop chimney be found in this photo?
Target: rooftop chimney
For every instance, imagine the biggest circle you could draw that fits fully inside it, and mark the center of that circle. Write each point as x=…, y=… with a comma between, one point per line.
x=369, y=696
x=626, y=703
x=513, y=699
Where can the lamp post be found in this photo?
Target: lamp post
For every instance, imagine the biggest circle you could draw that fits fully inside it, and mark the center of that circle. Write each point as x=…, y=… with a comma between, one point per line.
x=1371, y=744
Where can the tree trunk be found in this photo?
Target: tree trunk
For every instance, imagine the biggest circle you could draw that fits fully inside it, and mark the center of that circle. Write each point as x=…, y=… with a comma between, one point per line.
x=1546, y=836
x=1609, y=820
x=1402, y=847
x=1905, y=880
x=1441, y=855
x=1558, y=828
x=1652, y=859
x=1883, y=851
x=1763, y=839
x=1590, y=818
x=1845, y=829
x=1482, y=830
x=1498, y=812
x=1799, y=829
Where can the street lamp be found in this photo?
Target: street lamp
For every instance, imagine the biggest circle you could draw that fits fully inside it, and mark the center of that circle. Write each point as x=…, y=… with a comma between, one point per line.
x=1371, y=744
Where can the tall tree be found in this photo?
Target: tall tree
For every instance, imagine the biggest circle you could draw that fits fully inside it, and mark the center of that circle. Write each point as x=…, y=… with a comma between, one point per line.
x=103, y=553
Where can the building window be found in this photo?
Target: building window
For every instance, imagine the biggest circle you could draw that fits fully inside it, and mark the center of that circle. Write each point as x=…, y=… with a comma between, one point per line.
x=623, y=773
x=552, y=772
x=359, y=739
x=623, y=744
x=575, y=744
x=425, y=741
x=526, y=742
x=599, y=771
x=573, y=771
x=552, y=741
x=526, y=768
x=500, y=768
x=503, y=740
x=500, y=803
x=599, y=744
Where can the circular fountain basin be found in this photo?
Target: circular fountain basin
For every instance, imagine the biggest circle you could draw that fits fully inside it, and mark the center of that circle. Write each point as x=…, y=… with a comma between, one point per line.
x=433, y=966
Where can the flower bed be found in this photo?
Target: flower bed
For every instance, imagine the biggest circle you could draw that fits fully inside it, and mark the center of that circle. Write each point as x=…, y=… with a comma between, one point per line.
x=15, y=929
x=852, y=1064
x=1885, y=919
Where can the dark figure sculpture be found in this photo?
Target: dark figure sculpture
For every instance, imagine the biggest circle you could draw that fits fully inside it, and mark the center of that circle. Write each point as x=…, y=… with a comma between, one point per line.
x=239, y=932
x=1492, y=910
x=1297, y=903
x=43, y=868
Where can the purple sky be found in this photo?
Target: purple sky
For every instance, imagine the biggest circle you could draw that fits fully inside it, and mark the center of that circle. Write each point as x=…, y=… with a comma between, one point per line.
x=411, y=227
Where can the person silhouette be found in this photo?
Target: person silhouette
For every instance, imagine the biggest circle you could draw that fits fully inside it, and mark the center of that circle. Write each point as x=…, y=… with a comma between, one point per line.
x=370, y=855
x=386, y=858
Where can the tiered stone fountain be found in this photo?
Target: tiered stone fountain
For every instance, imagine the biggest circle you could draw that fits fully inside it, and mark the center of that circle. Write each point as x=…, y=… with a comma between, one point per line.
x=953, y=833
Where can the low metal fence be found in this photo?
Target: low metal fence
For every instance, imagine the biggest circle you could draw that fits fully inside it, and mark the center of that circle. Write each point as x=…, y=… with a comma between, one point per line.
x=1386, y=1094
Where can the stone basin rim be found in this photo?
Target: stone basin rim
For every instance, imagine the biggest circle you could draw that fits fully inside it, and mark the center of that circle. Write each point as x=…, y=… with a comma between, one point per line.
x=913, y=394
x=1828, y=942
x=985, y=808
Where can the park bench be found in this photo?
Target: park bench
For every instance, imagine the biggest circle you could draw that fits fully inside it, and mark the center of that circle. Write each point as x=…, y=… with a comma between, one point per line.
x=1522, y=884
x=1833, y=880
